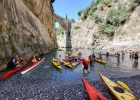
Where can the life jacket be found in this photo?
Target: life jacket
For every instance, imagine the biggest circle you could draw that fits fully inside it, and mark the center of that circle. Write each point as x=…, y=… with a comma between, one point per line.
x=85, y=63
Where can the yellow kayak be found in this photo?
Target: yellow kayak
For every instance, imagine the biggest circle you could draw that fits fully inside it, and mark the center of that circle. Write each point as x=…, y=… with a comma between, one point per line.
x=117, y=90
x=100, y=61
x=3, y=67
x=66, y=63
x=70, y=52
x=56, y=63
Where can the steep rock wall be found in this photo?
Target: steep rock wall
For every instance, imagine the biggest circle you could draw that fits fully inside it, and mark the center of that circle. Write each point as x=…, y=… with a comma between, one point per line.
x=26, y=27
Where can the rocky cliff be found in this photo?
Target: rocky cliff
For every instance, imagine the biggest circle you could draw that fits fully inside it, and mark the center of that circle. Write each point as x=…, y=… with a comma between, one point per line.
x=108, y=24
x=26, y=27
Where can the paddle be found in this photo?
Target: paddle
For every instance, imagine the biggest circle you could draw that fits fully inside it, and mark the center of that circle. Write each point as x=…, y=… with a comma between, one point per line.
x=126, y=87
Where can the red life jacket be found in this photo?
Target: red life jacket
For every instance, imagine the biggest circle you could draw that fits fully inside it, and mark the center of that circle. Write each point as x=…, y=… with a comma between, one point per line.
x=85, y=63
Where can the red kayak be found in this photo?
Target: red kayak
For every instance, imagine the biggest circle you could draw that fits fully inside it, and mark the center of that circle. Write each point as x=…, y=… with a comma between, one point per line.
x=13, y=71
x=32, y=66
x=92, y=92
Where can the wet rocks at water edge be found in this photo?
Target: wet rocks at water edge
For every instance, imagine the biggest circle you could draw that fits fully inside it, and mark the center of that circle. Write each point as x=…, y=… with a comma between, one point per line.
x=29, y=89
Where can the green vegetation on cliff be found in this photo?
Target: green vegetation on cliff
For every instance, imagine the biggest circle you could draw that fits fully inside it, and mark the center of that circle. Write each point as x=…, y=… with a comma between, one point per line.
x=109, y=14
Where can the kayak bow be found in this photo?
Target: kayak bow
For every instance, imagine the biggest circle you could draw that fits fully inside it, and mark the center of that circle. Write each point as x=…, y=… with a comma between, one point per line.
x=56, y=63
x=92, y=92
x=32, y=66
x=13, y=71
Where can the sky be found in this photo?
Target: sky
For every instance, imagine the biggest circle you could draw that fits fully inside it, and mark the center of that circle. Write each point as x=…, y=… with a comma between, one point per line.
x=70, y=7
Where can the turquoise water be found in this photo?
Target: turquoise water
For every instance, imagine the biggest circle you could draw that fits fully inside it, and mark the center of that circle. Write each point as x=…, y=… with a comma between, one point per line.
x=113, y=68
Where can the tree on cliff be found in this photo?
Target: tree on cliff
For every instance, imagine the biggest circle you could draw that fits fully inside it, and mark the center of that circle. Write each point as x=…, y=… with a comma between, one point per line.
x=52, y=1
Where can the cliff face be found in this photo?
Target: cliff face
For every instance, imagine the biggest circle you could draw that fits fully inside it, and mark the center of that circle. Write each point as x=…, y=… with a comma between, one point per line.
x=128, y=35
x=26, y=27
x=109, y=25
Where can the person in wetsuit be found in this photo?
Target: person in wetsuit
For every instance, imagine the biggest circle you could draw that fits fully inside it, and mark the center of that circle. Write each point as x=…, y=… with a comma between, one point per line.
x=14, y=61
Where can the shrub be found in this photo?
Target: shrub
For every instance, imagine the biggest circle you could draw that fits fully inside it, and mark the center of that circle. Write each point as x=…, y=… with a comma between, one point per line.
x=76, y=27
x=117, y=17
x=98, y=1
x=92, y=10
x=107, y=29
x=107, y=2
x=79, y=13
x=98, y=19
x=84, y=15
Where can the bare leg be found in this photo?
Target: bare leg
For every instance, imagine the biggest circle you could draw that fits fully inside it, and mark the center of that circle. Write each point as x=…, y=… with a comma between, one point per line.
x=83, y=71
x=87, y=70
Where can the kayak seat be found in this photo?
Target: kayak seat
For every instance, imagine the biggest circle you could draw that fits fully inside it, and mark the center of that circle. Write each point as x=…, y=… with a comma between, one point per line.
x=118, y=89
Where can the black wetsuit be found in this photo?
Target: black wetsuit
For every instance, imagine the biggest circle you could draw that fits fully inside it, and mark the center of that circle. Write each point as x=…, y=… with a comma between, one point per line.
x=11, y=64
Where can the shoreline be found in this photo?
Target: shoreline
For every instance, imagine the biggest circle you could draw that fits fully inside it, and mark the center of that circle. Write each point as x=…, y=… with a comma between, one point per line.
x=39, y=90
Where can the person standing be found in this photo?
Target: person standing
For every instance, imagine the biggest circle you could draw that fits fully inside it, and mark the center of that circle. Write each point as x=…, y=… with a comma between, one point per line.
x=79, y=56
x=130, y=55
x=85, y=63
x=107, y=54
x=100, y=56
x=136, y=57
x=118, y=58
x=93, y=56
x=123, y=53
x=90, y=60
x=133, y=55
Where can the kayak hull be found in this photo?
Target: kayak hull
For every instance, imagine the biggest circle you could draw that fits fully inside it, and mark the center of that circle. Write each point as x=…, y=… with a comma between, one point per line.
x=100, y=61
x=68, y=64
x=11, y=72
x=70, y=52
x=113, y=55
x=92, y=92
x=118, y=91
x=56, y=64
x=27, y=69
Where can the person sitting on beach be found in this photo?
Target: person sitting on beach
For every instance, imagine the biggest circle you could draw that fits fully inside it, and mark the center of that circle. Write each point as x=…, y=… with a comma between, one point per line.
x=69, y=57
x=85, y=63
x=14, y=61
x=34, y=59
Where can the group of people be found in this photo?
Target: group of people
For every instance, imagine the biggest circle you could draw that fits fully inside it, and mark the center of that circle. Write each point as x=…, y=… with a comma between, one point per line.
x=134, y=55
x=16, y=61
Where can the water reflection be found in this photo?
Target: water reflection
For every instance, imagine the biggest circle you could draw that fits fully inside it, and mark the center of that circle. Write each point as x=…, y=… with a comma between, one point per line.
x=118, y=61
x=135, y=64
